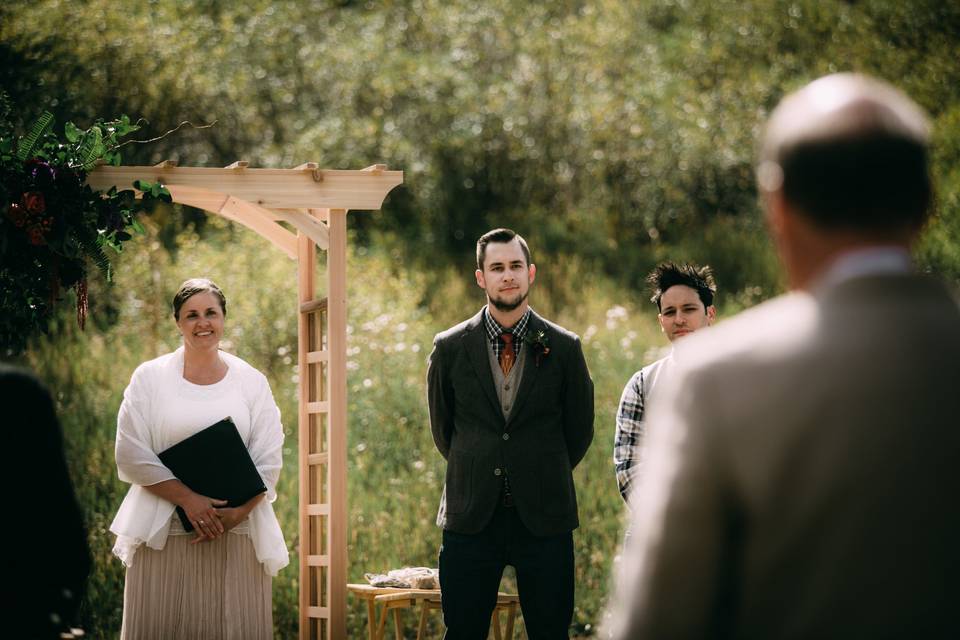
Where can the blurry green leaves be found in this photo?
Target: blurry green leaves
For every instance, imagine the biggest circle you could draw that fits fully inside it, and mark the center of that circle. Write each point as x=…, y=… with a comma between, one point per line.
x=40, y=128
x=153, y=189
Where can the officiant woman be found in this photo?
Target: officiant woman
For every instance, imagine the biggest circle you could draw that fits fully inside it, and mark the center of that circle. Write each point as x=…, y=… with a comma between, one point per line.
x=214, y=582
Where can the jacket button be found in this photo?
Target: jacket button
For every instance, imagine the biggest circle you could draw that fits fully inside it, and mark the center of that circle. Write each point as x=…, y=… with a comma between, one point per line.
x=497, y=472
x=506, y=436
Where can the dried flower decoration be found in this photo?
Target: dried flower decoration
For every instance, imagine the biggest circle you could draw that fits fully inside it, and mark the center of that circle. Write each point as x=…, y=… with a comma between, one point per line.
x=540, y=345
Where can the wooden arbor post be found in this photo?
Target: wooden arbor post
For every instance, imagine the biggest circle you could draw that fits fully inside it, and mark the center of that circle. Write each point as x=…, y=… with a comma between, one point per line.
x=315, y=202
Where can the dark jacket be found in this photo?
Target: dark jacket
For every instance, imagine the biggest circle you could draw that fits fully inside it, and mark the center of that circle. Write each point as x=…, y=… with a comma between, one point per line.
x=43, y=584
x=548, y=433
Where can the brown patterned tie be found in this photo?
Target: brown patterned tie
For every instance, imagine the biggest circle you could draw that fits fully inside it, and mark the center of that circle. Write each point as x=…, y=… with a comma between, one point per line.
x=507, y=355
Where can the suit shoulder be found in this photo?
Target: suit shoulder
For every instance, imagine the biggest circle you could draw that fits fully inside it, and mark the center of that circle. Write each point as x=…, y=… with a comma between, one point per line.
x=767, y=331
x=564, y=335
x=458, y=330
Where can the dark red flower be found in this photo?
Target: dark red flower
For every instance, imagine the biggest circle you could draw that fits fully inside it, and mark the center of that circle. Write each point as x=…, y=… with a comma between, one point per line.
x=40, y=171
x=36, y=236
x=17, y=215
x=34, y=202
x=539, y=344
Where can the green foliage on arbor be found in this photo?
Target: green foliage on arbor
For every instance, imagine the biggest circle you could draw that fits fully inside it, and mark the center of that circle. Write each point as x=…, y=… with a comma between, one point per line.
x=52, y=225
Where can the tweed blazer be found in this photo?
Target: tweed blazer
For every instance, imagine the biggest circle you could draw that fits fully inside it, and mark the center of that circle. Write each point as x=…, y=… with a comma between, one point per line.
x=804, y=473
x=548, y=432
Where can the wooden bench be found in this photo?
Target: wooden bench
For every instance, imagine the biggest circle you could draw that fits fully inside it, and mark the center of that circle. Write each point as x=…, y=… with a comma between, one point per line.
x=392, y=599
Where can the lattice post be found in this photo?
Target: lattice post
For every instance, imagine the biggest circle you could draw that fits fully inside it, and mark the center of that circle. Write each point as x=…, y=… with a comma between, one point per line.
x=314, y=363
x=323, y=437
x=337, y=433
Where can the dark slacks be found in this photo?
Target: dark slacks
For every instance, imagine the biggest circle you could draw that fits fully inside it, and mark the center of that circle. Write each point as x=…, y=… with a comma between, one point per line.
x=471, y=567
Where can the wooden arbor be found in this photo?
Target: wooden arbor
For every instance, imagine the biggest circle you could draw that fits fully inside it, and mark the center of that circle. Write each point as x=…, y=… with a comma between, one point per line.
x=314, y=202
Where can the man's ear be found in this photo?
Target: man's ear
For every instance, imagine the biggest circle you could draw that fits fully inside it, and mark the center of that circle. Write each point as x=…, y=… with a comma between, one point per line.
x=481, y=282
x=776, y=212
x=711, y=314
x=532, y=272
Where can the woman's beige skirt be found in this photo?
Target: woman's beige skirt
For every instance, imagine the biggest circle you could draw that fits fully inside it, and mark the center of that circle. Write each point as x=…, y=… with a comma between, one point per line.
x=213, y=590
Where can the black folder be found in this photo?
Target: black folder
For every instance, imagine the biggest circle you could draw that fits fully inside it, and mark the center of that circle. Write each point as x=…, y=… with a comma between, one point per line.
x=215, y=463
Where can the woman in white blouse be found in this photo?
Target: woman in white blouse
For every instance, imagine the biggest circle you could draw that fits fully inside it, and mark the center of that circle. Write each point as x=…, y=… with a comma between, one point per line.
x=214, y=582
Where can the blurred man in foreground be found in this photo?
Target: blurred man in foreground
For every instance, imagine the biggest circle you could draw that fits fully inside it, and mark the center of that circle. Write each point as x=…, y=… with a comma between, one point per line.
x=805, y=478
x=45, y=576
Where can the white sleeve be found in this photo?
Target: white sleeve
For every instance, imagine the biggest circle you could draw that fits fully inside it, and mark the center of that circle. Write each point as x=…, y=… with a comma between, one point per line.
x=266, y=450
x=137, y=462
x=266, y=435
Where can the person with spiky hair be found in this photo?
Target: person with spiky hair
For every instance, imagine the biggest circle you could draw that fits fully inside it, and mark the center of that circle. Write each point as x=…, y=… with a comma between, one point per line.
x=684, y=297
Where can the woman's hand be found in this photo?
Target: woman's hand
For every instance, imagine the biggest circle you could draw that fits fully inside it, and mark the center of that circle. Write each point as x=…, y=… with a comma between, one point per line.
x=231, y=516
x=202, y=512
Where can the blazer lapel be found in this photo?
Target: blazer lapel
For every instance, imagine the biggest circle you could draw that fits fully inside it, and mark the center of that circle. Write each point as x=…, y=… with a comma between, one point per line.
x=475, y=343
x=530, y=368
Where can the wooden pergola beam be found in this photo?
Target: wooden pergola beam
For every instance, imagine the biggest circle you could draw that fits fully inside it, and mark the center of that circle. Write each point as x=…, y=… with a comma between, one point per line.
x=268, y=188
x=240, y=211
x=304, y=222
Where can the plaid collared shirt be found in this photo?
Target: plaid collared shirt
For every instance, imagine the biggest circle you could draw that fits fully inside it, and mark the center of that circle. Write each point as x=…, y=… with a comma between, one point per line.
x=494, y=330
x=631, y=426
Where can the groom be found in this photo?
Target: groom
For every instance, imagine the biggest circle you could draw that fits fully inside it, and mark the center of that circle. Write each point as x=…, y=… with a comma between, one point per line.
x=511, y=410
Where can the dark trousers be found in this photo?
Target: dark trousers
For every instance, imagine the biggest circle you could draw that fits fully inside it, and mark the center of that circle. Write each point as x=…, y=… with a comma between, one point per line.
x=471, y=567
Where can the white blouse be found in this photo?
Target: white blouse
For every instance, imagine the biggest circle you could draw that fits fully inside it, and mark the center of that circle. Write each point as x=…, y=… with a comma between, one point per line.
x=160, y=408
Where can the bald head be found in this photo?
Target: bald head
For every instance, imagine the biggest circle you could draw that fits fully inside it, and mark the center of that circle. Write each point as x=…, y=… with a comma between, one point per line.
x=848, y=151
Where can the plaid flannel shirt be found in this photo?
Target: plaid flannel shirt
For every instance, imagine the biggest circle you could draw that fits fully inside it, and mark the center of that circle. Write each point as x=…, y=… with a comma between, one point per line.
x=630, y=431
x=494, y=331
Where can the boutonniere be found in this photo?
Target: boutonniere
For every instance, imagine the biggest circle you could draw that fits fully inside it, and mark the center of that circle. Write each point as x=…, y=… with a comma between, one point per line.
x=540, y=346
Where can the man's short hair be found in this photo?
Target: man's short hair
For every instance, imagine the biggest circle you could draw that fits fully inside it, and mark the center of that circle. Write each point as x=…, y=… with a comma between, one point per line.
x=668, y=274
x=850, y=152
x=501, y=236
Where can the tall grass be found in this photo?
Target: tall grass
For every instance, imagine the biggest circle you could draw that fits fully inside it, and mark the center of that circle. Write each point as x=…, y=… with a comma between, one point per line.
x=395, y=474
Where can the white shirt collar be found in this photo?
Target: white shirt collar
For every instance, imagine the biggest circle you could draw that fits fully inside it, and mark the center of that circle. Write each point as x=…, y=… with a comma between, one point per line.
x=870, y=261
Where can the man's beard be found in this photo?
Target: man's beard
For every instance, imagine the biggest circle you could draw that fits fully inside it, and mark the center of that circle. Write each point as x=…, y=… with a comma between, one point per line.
x=509, y=305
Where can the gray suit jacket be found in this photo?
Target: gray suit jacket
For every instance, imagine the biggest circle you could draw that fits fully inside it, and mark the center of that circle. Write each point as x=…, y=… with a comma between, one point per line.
x=804, y=474
x=548, y=433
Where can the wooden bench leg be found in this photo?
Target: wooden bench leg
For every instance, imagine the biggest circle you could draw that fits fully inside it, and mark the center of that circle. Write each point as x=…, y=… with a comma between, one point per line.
x=422, y=627
x=371, y=619
x=511, y=615
x=382, y=625
x=398, y=630
x=495, y=624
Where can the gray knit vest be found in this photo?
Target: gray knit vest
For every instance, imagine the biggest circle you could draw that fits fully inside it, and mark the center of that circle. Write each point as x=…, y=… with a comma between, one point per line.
x=506, y=386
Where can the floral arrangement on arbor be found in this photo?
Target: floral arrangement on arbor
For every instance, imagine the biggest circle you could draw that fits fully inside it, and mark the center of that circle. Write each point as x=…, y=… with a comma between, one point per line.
x=52, y=224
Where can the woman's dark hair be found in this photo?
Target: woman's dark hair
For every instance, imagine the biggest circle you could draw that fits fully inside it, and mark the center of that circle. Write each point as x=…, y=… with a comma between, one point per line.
x=192, y=287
